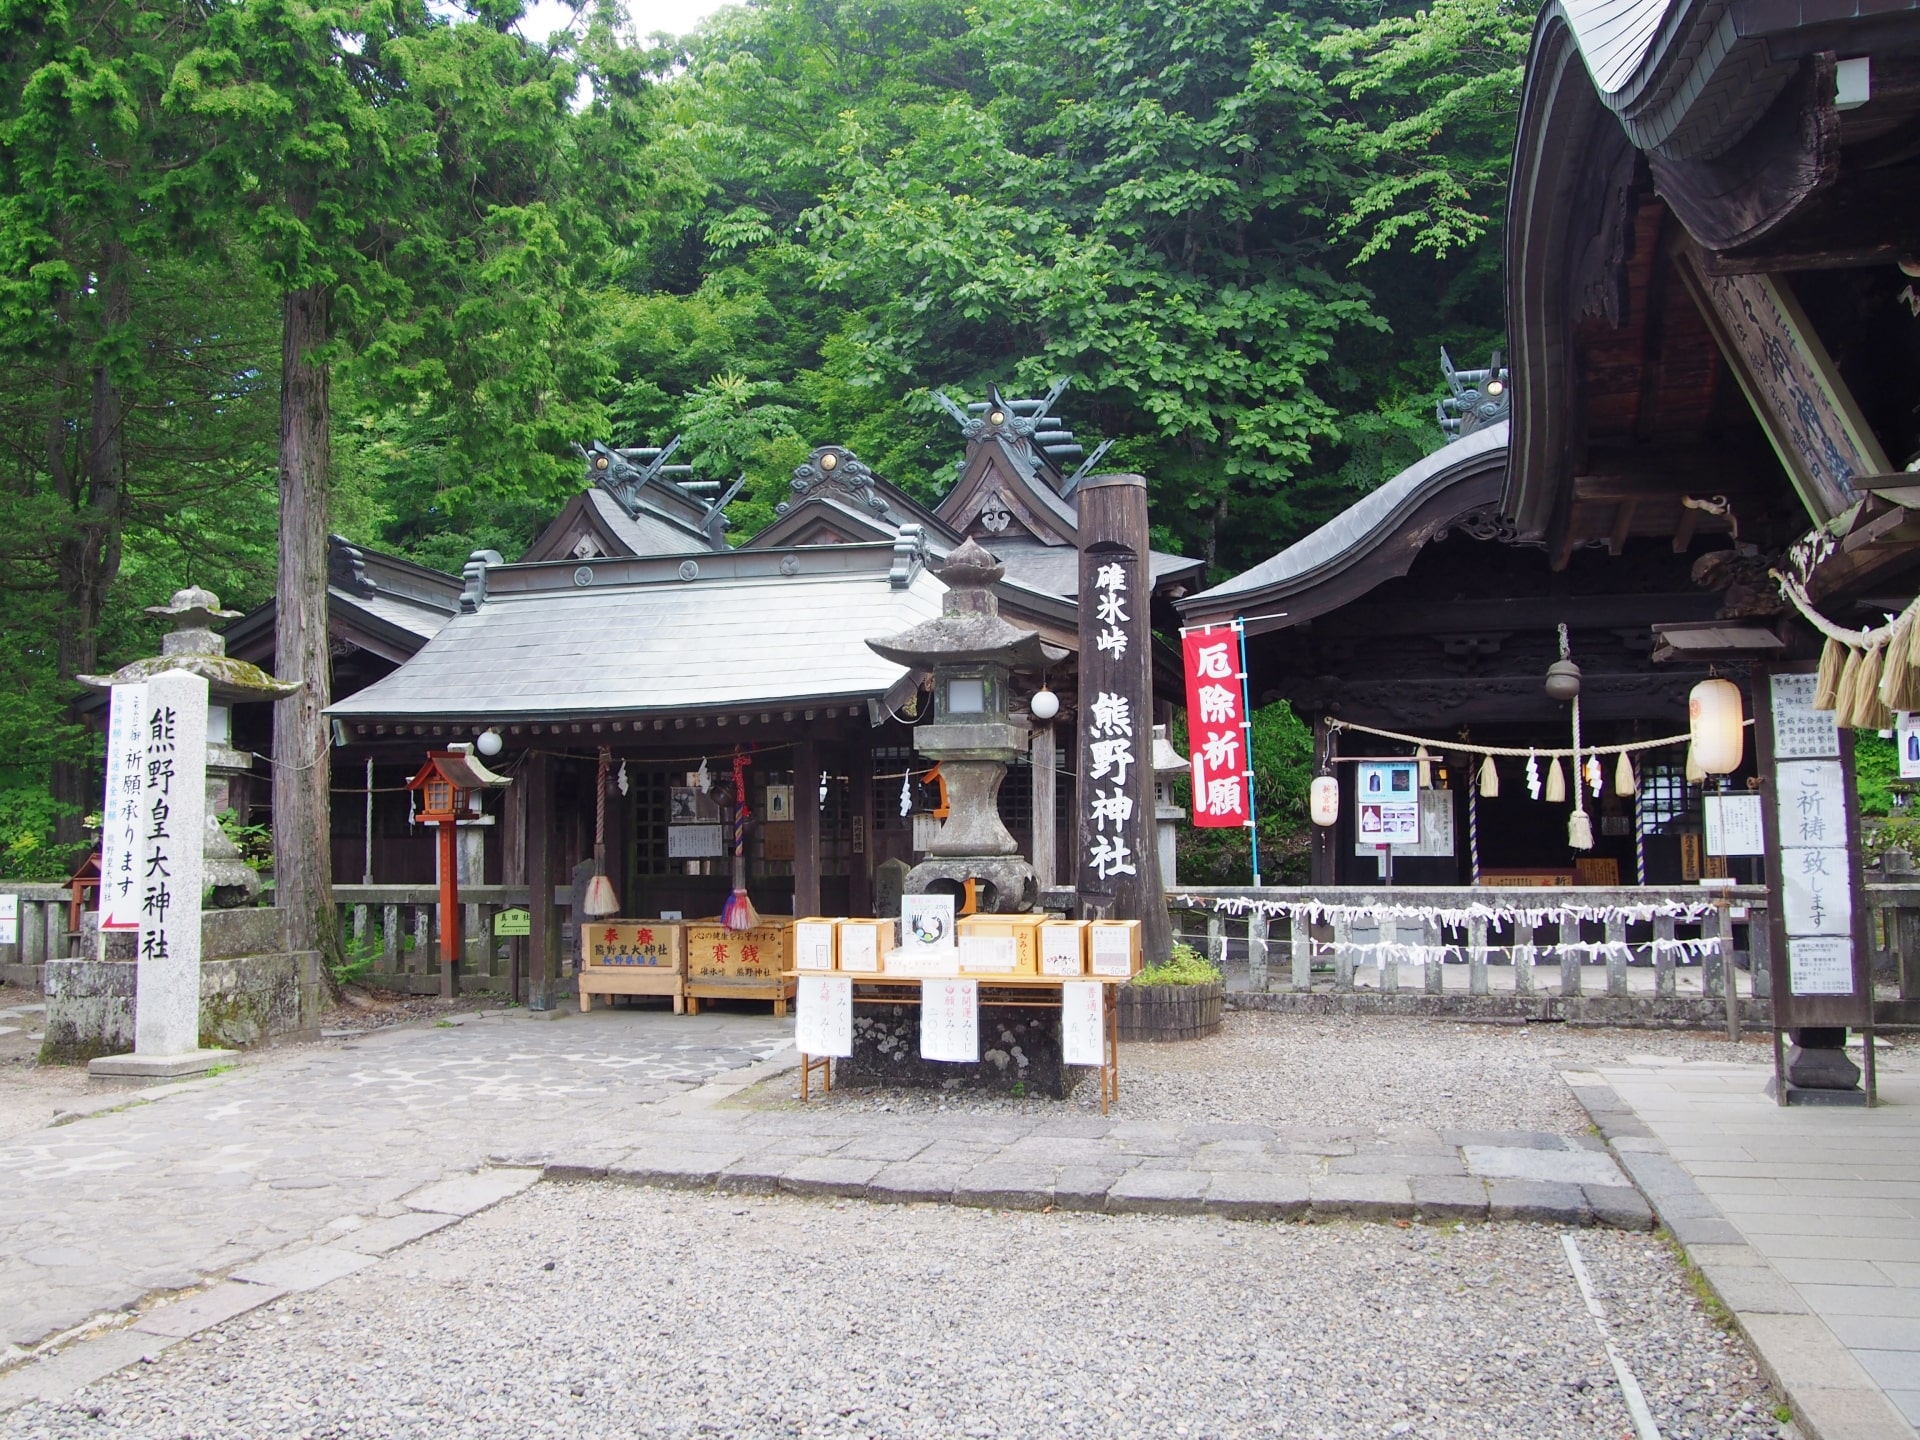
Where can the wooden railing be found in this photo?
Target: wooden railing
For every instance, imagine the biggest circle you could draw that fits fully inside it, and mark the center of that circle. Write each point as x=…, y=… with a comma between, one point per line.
x=1482, y=956
x=43, y=928
x=397, y=927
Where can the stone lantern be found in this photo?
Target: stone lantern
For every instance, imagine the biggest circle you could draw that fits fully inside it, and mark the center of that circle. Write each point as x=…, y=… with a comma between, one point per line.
x=1168, y=766
x=193, y=646
x=972, y=653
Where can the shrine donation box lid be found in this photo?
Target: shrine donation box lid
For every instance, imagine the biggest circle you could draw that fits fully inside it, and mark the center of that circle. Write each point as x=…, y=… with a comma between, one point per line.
x=762, y=953
x=626, y=944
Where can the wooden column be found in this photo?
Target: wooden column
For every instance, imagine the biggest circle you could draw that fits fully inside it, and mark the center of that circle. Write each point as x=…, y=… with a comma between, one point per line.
x=513, y=871
x=860, y=862
x=543, y=944
x=806, y=827
x=1045, y=757
x=1117, y=860
x=449, y=908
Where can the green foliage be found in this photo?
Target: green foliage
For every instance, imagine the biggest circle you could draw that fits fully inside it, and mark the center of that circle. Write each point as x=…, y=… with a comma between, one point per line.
x=357, y=959
x=28, y=849
x=254, y=842
x=1187, y=966
x=1282, y=775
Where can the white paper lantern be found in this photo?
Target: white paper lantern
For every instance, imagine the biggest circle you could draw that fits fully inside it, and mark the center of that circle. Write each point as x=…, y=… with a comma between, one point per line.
x=1324, y=799
x=1044, y=705
x=1716, y=725
x=489, y=743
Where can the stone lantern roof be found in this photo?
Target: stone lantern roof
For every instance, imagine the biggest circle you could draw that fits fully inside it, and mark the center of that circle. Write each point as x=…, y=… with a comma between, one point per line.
x=192, y=646
x=969, y=629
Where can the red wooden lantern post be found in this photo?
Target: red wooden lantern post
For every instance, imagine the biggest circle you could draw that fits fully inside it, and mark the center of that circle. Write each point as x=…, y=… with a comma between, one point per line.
x=449, y=785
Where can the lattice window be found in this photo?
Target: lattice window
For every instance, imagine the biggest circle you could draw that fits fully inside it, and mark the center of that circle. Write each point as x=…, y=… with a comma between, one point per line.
x=1664, y=797
x=647, y=793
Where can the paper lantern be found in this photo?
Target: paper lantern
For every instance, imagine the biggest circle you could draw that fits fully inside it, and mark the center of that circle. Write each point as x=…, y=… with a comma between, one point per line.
x=1694, y=773
x=1044, y=705
x=1489, y=779
x=1716, y=726
x=1324, y=799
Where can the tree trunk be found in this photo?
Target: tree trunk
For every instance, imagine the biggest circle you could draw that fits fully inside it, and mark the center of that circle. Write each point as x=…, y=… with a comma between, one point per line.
x=89, y=554
x=302, y=772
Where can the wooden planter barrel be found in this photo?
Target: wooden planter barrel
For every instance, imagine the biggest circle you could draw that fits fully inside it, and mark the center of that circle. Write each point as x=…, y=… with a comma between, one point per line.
x=1170, y=1012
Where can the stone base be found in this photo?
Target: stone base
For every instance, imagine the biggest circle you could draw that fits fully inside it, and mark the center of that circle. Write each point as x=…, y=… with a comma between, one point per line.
x=134, y=1070
x=1018, y=1046
x=1006, y=884
x=244, y=1001
x=1807, y=1095
x=1817, y=1061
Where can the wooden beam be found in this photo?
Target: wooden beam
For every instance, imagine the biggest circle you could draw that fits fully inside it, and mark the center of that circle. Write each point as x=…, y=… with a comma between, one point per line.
x=1622, y=526
x=1045, y=756
x=1866, y=218
x=543, y=941
x=860, y=863
x=1683, y=532
x=806, y=827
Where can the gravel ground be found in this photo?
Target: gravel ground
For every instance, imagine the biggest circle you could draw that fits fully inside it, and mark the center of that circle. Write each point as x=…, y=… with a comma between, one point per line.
x=784, y=1317
x=1339, y=1071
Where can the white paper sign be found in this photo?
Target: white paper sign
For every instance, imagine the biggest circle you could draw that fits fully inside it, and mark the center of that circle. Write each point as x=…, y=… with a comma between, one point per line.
x=694, y=842
x=1801, y=732
x=998, y=953
x=1820, y=965
x=1816, y=893
x=9, y=919
x=1109, y=950
x=119, y=815
x=823, y=1015
x=1062, y=950
x=950, y=1021
x=926, y=923
x=1083, y=1023
x=859, y=947
x=813, y=945
x=1734, y=825
x=1811, y=803
x=1907, y=735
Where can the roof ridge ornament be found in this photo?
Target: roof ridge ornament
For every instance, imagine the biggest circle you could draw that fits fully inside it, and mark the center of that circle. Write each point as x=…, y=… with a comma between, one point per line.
x=347, y=567
x=909, y=557
x=1480, y=397
x=624, y=473
x=474, y=595
x=831, y=469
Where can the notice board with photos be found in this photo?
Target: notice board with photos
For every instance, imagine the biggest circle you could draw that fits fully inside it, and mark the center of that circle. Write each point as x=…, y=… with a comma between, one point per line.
x=1821, y=955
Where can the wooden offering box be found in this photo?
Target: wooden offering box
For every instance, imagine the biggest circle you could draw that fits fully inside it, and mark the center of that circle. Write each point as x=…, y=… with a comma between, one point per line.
x=725, y=964
x=634, y=957
x=1063, y=947
x=999, y=944
x=864, y=944
x=813, y=944
x=1113, y=947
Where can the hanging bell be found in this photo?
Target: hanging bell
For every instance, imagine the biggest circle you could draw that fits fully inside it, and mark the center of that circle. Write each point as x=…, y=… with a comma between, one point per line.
x=1563, y=681
x=1556, y=783
x=1624, y=784
x=1489, y=779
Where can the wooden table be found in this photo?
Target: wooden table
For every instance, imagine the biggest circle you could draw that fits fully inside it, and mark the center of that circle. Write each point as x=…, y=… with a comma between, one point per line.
x=884, y=989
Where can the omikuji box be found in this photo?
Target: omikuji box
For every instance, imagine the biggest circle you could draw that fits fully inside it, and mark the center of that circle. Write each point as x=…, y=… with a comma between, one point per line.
x=999, y=944
x=652, y=943
x=1063, y=947
x=813, y=944
x=1113, y=947
x=760, y=953
x=865, y=943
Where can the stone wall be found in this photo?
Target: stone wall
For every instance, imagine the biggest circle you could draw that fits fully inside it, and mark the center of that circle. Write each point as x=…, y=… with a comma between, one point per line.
x=252, y=990
x=1019, y=1047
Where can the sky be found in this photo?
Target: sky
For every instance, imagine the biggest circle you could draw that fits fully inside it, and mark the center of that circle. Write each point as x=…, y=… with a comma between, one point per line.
x=676, y=17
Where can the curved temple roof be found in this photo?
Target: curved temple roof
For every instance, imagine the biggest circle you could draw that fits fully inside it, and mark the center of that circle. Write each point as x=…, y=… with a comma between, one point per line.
x=1392, y=523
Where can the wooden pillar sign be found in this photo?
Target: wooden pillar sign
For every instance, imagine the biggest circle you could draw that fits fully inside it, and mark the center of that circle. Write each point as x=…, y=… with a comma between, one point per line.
x=1820, y=950
x=1117, y=870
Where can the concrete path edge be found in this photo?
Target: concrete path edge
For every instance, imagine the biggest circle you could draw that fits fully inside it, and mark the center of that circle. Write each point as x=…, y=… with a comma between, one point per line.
x=1831, y=1396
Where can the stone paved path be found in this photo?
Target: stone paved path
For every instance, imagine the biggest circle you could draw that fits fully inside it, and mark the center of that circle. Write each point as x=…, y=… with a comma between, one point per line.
x=201, y=1178
x=1240, y=1171
x=1805, y=1220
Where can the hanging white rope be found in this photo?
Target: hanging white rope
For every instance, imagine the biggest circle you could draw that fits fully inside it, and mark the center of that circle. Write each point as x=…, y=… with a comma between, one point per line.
x=1512, y=752
x=1317, y=912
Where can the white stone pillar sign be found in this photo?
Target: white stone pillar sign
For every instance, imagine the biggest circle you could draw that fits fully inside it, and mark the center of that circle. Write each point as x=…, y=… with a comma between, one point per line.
x=168, y=855
x=119, y=814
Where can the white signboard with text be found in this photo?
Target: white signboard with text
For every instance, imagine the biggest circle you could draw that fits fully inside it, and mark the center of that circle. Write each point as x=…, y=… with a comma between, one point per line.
x=1810, y=819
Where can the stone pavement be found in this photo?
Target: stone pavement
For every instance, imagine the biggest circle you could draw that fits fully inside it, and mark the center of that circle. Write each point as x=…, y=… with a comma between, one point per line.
x=158, y=1190
x=1025, y=1162
x=1805, y=1221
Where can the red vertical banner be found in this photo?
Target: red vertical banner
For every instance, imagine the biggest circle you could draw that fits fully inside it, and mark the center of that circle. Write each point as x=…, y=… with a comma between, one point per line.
x=1217, y=735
